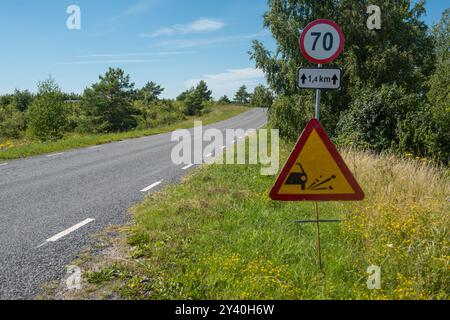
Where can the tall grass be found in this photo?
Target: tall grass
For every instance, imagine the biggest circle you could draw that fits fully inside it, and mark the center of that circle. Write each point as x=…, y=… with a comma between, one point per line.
x=403, y=224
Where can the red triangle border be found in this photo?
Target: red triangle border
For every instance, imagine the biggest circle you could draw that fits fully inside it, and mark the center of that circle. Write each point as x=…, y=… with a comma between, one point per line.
x=315, y=124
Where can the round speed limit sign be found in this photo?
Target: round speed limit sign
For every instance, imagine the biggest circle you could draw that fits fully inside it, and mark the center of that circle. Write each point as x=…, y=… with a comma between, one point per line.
x=322, y=41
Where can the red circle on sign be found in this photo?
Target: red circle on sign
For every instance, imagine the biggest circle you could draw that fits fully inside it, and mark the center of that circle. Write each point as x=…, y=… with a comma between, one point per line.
x=313, y=24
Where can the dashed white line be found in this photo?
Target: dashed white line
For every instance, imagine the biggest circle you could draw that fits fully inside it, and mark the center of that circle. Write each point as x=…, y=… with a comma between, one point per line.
x=187, y=167
x=54, y=154
x=70, y=230
x=152, y=186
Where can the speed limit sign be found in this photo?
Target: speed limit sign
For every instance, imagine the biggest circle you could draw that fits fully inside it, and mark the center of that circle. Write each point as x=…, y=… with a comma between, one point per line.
x=322, y=41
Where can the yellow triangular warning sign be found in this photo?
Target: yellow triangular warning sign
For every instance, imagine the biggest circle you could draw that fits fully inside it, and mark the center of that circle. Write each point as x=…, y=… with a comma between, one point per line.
x=315, y=171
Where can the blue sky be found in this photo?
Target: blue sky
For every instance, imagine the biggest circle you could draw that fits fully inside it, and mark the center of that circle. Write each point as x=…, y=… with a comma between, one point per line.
x=172, y=42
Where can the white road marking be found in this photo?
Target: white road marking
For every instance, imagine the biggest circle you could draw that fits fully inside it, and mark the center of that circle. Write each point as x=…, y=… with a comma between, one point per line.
x=55, y=154
x=3, y=164
x=187, y=167
x=208, y=155
x=152, y=186
x=94, y=147
x=224, y=147
x=70, y=230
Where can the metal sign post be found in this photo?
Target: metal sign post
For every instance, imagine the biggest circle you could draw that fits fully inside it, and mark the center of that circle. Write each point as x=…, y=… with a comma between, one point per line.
x=319, y=251
x=318, y=97
x=321, y=42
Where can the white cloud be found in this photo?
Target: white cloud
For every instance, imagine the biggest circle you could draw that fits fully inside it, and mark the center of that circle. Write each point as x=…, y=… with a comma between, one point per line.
x=229, y=81
x=200, y=25
x=120, y=61
x=190, y=43
x=137, y=54
x=139, y=7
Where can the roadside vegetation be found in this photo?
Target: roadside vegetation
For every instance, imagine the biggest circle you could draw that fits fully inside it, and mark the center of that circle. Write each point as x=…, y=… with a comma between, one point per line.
x=396, y=80
x=217, y=235
x=110, y=110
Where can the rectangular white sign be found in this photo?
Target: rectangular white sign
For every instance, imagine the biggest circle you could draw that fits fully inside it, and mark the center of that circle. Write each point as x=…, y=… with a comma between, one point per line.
x=319, y=78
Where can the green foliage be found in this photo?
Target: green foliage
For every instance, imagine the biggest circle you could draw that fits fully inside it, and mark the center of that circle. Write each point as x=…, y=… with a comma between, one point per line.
x=108, y=104
x=5, y=99
x=193, y=104
x=242, y=96
x=74, y=140
x=203, y=91
x=22, y=99
x=46, y=115
x=441, y=37
x=374, y=117
x=150, y=92
x=12, y=122
x=262, y=97
x=196, y=99
x=426, y=132
x=161, y=112
x=401, y=53
x=182, y=96
x=396, y=92
x=77, y=120
x=439, y=93
x=290, y=115
x=224, y=100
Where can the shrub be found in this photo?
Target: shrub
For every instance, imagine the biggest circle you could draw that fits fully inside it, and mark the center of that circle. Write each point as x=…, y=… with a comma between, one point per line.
x=22, y=99
x=290, y=114
x=374, y=117
x=224, y=100
x=46, y=115
x=261, y=98
x=12, y=122
x=162, y=112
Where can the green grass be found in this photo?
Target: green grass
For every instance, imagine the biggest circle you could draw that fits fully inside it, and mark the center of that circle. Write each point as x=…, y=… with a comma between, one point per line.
x=217, y=235
x=23, y=148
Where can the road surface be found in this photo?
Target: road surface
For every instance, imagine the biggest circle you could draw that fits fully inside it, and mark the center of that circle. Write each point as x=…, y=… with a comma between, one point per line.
x=51, y=204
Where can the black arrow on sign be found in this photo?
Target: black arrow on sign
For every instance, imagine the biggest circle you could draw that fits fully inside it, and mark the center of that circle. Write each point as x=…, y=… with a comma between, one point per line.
x=303, y=78
x=335, y=79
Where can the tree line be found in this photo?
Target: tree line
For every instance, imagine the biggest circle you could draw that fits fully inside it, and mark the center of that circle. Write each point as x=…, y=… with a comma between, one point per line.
x=113, y=104
x=395, y=93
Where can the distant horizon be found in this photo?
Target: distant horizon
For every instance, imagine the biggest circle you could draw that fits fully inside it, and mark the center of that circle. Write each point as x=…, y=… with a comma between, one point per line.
x=173, y=44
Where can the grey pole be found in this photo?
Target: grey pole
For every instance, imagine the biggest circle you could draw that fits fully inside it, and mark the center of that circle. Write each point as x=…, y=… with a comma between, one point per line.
x=318, y=96
x=319, y=251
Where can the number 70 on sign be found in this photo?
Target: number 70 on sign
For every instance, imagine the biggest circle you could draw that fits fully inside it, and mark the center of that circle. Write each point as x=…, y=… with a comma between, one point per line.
x=322, y=41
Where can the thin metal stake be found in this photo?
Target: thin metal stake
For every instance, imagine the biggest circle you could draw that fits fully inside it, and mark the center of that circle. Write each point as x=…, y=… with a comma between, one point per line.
x=319, y=252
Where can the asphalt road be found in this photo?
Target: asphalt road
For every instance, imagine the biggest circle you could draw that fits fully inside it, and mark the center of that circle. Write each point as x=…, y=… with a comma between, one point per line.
x=51, y=204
